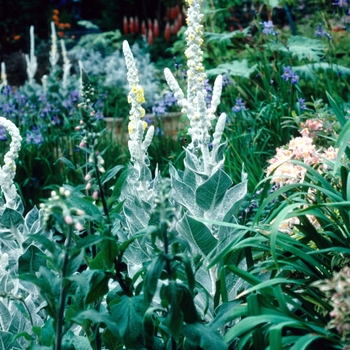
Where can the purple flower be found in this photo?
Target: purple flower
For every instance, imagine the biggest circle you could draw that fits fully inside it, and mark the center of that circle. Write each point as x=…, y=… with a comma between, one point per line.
x=340, y=3
x=7, y=90
x=42, y=98
x=301, y=102
x=320, y=32
x=239, y=106
x=268, y=28
x=159, y=109
x=169, y=99
x=55, y=120
x=3, y=135
x=288, y=74
x=74, y=96
x=34, y=137
x=98, y=115
x=226, y=79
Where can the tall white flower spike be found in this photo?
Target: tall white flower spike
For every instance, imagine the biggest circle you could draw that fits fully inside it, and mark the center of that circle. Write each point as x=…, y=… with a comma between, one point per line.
x=66, y=66
x=8, y=170
x=32, y=63
x=3, y=76
x=194, y=105
x=137, y=147
x=54, y=55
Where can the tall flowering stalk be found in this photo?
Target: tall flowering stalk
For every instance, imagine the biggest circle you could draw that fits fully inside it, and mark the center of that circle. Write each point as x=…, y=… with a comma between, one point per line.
x=200, y=116
x=8, y=170
x=54, y=55
x=66, y=66
x=3, y=76
x=32, y=63
x=137, y=144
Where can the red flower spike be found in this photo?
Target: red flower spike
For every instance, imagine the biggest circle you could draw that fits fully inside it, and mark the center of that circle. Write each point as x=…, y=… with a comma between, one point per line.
x=137, y=25
x=125, y=25
x=131, y=25
x=143, y=28
x=150, y=38
x=150, y=25
x=155, y=29
x=167, y=33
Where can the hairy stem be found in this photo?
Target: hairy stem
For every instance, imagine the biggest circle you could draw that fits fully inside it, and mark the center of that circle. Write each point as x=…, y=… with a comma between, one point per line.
x=63, y=291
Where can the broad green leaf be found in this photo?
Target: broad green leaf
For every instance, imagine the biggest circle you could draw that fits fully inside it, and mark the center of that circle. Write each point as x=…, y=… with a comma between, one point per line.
x=226, y=36
x=11, y=218
x=127, y=313
x=84, y=204
x=231, y=202
x=6, y=342
x=201, y=336
x=105, y=257
x=31, y=260
x=5, y=317
x=302, y=47
x=235, y=68
x=171, y=296
x=209, y=194
x=197, y=233
x=98, y=317
x=154, y=271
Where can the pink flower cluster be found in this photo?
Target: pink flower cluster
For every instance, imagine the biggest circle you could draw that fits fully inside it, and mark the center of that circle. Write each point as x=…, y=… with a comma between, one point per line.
x=299, y=148
x=310, y=127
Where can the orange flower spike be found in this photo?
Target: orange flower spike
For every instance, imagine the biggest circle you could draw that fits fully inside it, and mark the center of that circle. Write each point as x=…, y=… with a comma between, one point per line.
x=56, y=12
x=67, y=25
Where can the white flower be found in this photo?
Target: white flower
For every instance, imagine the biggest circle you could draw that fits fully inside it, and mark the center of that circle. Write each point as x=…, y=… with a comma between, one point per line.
x=32, y=64
x=54, y=56
x=8, y=170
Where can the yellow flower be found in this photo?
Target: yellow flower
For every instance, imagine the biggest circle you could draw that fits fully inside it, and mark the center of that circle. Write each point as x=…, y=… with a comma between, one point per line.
x=143, y=112
x=144, y=125
x=130, y=128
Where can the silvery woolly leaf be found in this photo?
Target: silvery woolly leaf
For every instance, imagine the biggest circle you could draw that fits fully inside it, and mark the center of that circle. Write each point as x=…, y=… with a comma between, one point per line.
x=209, y=194
x=197, y=233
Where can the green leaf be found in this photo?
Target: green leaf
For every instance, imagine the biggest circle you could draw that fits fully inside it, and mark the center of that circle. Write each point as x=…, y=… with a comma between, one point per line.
x=197, y=233
x=301, y=46
x=105, y=257
x=236, y=68
x=11, y=218
x=31, y=260
x=97, y=317
x=5, y=316
x=111, y=173
x=201, y=336
x=209, y=194
x=127, y=313
x=153, y=274
x=67, y=162
x=304, y=341
x=84, y=204
x=171, y=296
x=92, y=283
x=336, y=109
x=6, y=342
